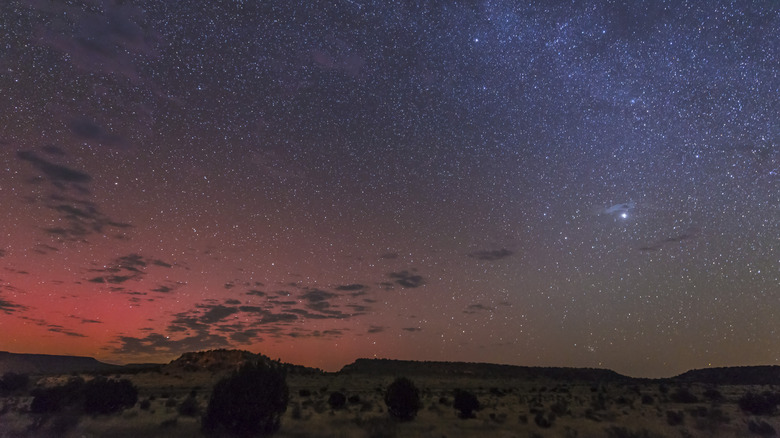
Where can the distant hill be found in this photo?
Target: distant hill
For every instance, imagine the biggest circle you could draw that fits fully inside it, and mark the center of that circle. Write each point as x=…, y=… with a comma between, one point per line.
x=217, y=361
x=482, y=370
x=213, y=360
x=50, y=364
x=755, y=375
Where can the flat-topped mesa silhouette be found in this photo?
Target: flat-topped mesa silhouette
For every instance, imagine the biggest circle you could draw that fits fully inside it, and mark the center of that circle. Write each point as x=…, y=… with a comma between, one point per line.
x=747, y=375
x=51, y=364
x=483, y=370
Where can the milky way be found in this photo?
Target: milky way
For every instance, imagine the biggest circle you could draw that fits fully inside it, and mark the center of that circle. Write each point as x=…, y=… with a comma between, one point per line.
x=570, y=184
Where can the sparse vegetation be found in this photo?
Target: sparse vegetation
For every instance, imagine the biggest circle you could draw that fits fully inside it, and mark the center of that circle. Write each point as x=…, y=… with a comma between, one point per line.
x=759, y=404
x=13, y=382
x=337, y=400
x=675, y=418
x=189, y=407
x=403, y=399
x=761, y=428
x=543, y=420
x=249, y=402
x=104, y=396
x=683, y=395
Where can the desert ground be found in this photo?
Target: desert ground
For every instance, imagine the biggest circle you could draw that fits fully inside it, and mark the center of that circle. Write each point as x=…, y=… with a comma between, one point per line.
x=508, y=408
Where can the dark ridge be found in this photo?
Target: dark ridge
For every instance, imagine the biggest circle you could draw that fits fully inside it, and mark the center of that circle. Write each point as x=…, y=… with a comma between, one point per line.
x=216, y=361
x=482, y=370
x=51, y=364
x=753, y=375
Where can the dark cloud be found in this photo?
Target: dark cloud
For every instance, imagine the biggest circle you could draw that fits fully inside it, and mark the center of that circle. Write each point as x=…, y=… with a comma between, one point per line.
x=274, y=318
x=103, y=41
x=9, y=307
x=245, y=336
x=54, y=151
x=55, y=173
x=351, y=287
x=86, y=129
x=476, y=308
x=44, y=249
x=3, y=252
x=79, y=216
x=161, y=263
x=156, y=343
x=389, y=256
x=407, y=279
x=229, y=285
x=112, y=279
x=491, y=255
x=255, y=292
x=358, y=309
x=60, y=329
x=131, y=267
x=375, y=329
x=330, y=314
x=217, y=313
x=317, y=295
x=89, y=321
x=412, y=329
x=233, y=302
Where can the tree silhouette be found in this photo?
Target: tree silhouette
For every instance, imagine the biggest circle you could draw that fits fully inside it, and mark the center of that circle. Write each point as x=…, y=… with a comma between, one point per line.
x=403, y=399
x=249, y=402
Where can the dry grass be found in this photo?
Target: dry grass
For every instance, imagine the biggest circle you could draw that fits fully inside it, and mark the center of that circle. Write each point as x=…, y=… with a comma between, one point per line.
x=509, y=408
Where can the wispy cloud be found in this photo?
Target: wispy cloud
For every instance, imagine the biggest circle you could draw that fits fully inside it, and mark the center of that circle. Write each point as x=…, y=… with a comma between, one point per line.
x=407, y=279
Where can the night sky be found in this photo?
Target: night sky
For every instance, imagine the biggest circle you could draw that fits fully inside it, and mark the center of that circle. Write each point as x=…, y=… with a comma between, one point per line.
x=581, y=183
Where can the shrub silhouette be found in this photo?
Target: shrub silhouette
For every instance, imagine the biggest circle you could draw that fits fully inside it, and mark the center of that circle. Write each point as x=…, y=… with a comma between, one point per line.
x=103, y=396
x=13, y=382
x=761, y=428
x=337, y=400
x=759, y=404
x=249, y=402
x=189, y=407
x=403, y=399
x=683, y=395
x=674, y=418
x=466, y=403
x=48, y=400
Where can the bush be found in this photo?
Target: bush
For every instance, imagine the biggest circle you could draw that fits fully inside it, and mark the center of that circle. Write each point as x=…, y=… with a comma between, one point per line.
x=675, y=418
x=189, y=407
x=145, y=405
x=466, y=403
x=713, y=395
x=50, y=400
x=47, y=400
x=103, y=396
x=759, y=404
x=403, y=399
x=683, y=395
x=544, y=421
x=13, y=382
x=249, y=402
x=337, y=400
x=761, y=428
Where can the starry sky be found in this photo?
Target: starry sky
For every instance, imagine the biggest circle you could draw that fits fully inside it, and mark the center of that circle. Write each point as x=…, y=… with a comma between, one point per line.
x=556, y=183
